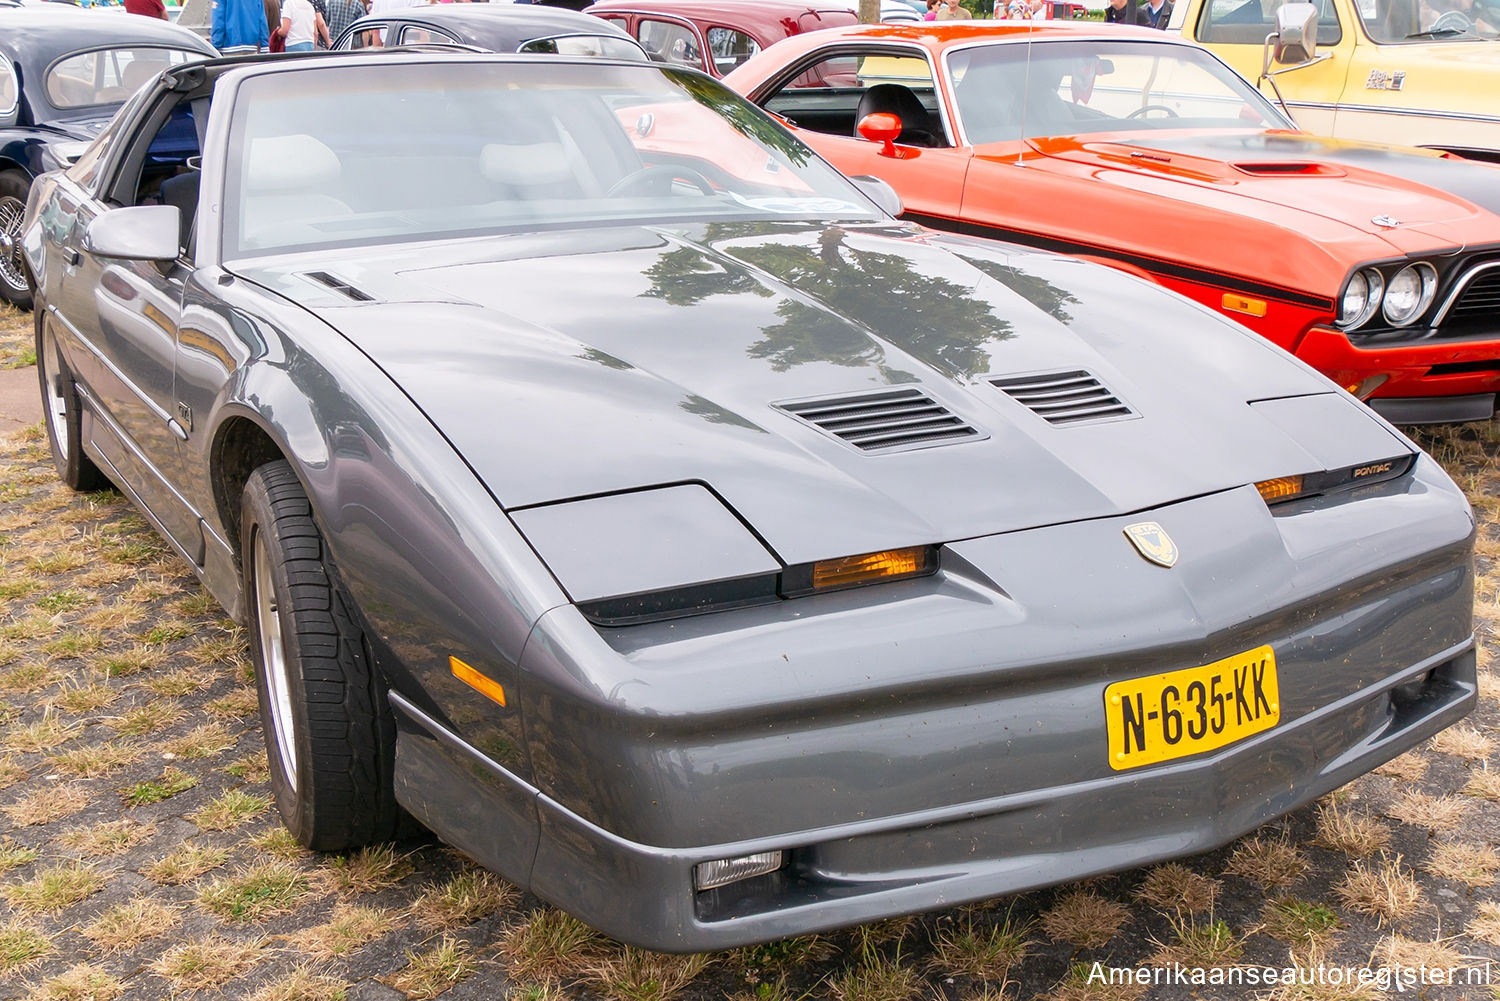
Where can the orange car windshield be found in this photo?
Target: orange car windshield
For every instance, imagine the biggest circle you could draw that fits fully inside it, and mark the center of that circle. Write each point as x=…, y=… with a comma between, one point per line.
x=1072, y=88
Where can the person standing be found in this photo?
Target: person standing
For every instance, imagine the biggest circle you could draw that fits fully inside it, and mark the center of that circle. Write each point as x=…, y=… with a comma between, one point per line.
x=951, y=11
x=273, y=15
x=147, y=8
x=239, y=26
x=1123, y=12
x=341, y=14
x=302, y=25
x=1157, y=13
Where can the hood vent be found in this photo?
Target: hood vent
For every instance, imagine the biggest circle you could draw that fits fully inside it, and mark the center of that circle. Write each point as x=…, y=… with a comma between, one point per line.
x=1065, y=397
x=1289, y=168
x=338, y=285
x=884, y=421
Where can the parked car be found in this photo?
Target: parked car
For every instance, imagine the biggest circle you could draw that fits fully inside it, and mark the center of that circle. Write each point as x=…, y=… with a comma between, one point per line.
x=1396, y=71
x=62, y=75
x=494, y=28
x=1379, y=266
x=717, y=35
x=720, y=558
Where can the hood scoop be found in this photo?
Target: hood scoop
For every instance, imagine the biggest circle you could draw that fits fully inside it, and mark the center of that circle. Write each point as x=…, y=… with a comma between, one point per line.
x=1065, y=397
x=888, y=420
x=337, y=284
x=1289, y=168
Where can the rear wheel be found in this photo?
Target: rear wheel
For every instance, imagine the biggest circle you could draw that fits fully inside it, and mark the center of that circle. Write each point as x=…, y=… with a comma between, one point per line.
x=64, y=423
x=330, y=736
x=15, y=288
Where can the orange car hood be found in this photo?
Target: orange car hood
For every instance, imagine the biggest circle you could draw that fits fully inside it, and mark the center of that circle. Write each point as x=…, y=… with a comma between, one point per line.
x=1435, y=202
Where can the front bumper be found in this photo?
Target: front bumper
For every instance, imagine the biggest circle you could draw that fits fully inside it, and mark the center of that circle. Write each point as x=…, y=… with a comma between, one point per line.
x=1416, y=370
x=938, y=741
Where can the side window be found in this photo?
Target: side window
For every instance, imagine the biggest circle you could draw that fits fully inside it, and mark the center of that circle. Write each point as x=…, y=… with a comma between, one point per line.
x=161, y=165
x=729, y=48
x=1248, y=22
x=832, y=94
x=10, y=89
x=668, y=42
x=368, y=36
x=415, y=35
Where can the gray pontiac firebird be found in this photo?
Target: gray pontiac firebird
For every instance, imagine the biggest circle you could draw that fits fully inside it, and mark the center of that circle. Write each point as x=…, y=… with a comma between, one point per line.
x=612, y=486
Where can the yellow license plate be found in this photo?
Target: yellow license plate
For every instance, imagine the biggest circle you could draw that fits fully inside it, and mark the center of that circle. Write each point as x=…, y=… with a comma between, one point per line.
x=1166, y=716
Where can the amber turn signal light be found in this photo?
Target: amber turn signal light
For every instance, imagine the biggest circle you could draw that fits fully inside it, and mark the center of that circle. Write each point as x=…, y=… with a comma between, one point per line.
x=484, y=686
x=847, y=571
x=1280, y=489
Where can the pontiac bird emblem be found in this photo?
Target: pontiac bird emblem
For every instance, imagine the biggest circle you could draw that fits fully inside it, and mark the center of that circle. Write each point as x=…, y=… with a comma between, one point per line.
x=1152, y=542
x=1386, y=221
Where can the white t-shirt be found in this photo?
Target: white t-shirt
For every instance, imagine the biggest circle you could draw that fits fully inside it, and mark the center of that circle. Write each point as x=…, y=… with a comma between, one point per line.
x=381, y=6
x=304, y=21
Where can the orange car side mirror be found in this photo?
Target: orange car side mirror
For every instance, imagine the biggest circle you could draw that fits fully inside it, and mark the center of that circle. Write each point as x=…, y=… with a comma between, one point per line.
x=881, y=127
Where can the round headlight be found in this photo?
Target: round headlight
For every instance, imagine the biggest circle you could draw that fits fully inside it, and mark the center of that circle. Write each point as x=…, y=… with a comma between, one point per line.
x=1361, y=297
x=1410, y=293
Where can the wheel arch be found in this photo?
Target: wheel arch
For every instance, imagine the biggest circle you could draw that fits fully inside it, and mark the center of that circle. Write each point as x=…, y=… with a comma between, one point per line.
x=240, y=445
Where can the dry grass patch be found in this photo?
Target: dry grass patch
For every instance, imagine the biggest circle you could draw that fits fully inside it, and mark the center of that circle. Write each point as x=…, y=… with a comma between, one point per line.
x=207, y=963
x=44, y=805
x=21, y=945
x=377, y=867
x=11, y=771
x=1398, y=950
x=1382, y=890
x=1463, y=741
x=875, y=977
x=1409, y=767
x=81, y=983
x=548, y=944
x=229, y=810
x=147, y=718
x=968, y=948
x=1274, y=863
x=1084, y=919
x=302, y=984
x=184, y=681
x=349, y=927
x=93, y=760
x=1198, y=943
x=55, y=888
x=79, y=699
x=1436, y=813
x=430, y=973
x=202, y=742
x=13, y=856
x=1176, y=888
x=256, y=891
x=42, y=735
x=1486, y=924
x=1324, y=990
x=1472, y=864
x=1483, y=784
x=28, y=678
x=252, y=768
x=1349, y=831
x=109, y=838
x=125, y=926
x=1078, y=985
x=281, y=843
x=1298, y=922
x=185, y=864
x=464, y=899
x=237, y=704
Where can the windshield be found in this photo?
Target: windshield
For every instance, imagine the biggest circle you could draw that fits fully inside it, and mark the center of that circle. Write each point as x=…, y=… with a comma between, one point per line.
x=108, y=76
x=1005, y=92
x=605, y=46
x=1390, y=21
x=312, y=161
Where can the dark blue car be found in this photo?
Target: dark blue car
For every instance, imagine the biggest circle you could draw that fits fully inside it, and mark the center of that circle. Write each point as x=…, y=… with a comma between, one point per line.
x=63, y=74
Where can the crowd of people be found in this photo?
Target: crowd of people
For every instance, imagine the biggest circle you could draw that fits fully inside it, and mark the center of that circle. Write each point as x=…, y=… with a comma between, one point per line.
x=1152, y=13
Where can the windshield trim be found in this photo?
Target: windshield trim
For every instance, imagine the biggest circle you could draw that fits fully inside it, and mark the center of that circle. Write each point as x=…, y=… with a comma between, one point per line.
x=608, y=35
x=81, y=110
x=1275, y=114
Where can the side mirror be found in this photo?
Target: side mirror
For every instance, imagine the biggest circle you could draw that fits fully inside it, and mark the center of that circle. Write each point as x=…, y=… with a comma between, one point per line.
x=881, y=127
x=139, y=233
x=879, y=192
x=1296, y=33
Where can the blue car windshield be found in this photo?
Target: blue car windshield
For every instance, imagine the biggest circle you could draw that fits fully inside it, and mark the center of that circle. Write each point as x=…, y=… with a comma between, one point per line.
x=349, y=155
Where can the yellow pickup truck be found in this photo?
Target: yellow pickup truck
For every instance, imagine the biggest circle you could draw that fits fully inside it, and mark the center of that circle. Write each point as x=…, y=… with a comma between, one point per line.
x=1413, y=72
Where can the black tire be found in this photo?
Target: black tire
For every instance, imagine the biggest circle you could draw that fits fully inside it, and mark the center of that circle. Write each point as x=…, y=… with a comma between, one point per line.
x=15, y=282
x=60, y=413
x=335, y=793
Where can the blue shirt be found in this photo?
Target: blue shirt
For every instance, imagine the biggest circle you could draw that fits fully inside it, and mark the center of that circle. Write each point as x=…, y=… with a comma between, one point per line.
x=239, y=24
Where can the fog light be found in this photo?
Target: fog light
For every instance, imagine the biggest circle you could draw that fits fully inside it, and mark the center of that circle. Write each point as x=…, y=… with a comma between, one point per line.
x=707, y=875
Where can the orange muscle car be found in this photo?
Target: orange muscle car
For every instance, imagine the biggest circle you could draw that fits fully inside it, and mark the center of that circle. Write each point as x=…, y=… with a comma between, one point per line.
x=1378, y=265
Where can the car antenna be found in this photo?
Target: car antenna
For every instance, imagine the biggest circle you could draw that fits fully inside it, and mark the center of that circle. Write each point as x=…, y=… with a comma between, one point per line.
x=1025, y=87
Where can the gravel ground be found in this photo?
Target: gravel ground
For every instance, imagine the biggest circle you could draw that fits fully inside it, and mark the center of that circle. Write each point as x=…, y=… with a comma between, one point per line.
x=140, y=857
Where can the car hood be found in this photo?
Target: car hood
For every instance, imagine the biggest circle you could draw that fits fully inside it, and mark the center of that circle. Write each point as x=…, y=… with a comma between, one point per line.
x=580, y=363
x=1439, y=202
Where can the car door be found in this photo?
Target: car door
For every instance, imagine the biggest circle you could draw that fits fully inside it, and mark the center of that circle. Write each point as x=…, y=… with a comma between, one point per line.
x=126, y=315
x=821, y=95
x=1236, y=31
x=672, y=40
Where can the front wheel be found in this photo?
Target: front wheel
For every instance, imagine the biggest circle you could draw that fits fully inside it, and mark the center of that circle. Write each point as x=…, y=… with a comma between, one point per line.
x=330, y=736
x=64, y=422
x=15, y=288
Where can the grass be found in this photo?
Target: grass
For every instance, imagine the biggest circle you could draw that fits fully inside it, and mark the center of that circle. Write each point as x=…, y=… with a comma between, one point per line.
x=1299, y=922
x=186, y=864
x=1274, y=863
x=377, y=867
x=1356, y=834
x=93, y=760
x=970, y=948
x=302, y=984
x=13, y=856
x=1195, y=942
x=875, y=976
x=81, y=983
x=108, y=838
x=148, y=718
x=44, y=806
x=229, y=810
x=1176, y=889
x=21, y=945
x=428, y=974
x=548, y=944
x=1434, y=812
x=207, y=963
x=41, y=735
x=1473, y=865
x=54, y=888
x=125, y=926
x=172, y=782
x=256, y=891
x=464, y=899
x=1382, y=889
x=1084, y=919
x=349, y=927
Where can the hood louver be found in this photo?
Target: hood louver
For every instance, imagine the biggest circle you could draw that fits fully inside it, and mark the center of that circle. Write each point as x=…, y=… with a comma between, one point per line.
x=338, y=285
x=1065, y=397
x=884, y=421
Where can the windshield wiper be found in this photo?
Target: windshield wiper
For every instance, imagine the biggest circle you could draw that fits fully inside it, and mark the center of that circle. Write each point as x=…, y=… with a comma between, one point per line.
x=1438, y=33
